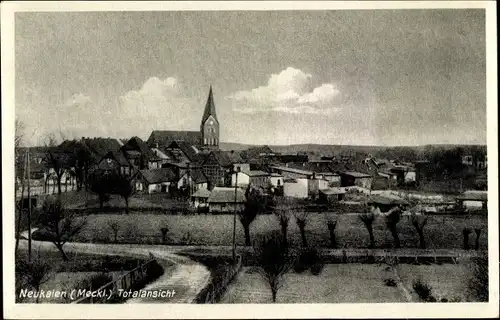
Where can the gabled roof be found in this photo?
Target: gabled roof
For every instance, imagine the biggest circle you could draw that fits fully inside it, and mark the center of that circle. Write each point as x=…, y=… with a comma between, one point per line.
x=209, y=108
x=158, y=175
x=101, y=146
x=234, y=156
x=356, y=174
x=201, y=193
x=137, y=144
x=198, y=176
x=164, y=138
x=255, y=152
x=220, y=157
x=293, y=170
x=118, y=157
x=226, y=195
x=189, y=150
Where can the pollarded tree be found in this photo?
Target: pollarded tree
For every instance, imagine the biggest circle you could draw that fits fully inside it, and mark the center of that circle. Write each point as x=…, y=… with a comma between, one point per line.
x=392, y=218
x=274, y=261
x=283, y=210
x=331, y=223
x=254, y=205
x=301, y=218
x=368, y=217
x=61, y=225
x=419, y=222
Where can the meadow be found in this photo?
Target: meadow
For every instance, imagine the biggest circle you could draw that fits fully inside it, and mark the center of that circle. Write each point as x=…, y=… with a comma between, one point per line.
x=441, y=232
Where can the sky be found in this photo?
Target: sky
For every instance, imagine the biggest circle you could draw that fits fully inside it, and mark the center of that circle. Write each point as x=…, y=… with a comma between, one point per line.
x=384, y=77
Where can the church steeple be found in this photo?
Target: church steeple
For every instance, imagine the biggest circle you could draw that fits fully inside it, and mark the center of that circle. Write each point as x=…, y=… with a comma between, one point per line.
x=209, y=108
x=210, y=124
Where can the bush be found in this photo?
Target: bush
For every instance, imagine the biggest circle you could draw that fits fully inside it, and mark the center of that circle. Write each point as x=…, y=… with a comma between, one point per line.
x=317, y=268
x=390, y=282
x=424, y=291
x=309, y=259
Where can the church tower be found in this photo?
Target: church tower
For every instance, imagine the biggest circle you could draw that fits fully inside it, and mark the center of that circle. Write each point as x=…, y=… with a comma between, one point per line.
x=209, y=124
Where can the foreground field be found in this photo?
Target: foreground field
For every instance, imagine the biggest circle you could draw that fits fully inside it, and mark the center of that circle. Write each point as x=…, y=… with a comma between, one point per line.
x=348, y=283
x=444, y=232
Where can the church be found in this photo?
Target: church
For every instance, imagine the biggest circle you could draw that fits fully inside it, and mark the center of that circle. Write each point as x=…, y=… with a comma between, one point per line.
x=207, y=138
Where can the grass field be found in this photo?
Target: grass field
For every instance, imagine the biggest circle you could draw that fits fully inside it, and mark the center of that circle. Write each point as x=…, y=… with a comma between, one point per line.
x=346, y=283
x=341, y=283
x=443, y=232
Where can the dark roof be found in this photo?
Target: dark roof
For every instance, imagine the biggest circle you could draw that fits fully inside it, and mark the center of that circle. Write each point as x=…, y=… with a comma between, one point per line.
x=137, y=144
x=226, y=195
x=101, y=146
x=356, y=174
x=209, y=108
x=255, y=173
x=158, y=175
x=118, y=157
x=234, y=156
x=189, y=150
x=164, y=138
x=221, y=157
x=198, y=176
x=255, y=152
x=294, y=170
x=333, y=190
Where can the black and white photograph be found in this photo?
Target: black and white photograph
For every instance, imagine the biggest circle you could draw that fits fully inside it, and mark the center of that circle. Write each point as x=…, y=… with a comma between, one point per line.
x=275, y=154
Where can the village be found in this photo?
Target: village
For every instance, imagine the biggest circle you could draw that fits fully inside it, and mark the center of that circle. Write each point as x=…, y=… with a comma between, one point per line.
x=190, y=165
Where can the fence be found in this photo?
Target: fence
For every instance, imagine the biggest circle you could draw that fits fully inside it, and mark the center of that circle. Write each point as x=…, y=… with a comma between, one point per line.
x=218, y=284
x=124, y=282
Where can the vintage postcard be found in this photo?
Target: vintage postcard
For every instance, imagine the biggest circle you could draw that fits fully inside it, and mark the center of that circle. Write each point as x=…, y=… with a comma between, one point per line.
x=249, y=159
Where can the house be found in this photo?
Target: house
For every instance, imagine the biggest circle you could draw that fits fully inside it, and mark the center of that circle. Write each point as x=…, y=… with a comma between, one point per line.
x=162, y=157
x=473, y=200
x=254, y=178
x=217, y=168
x=293, y=157
x=332, y=195
x=207, y=137
x=292, y=173
x=258, y=152
x=193, y=179
x=237, y=160
x=154, y=180
x=139, y=154
x=182, y=151
x=353, y=178
x=276, y=179
x=296, y=188
x=405, y=174
x=226, y=200
x=199, y=199
x=332, y=178
x=115, y=162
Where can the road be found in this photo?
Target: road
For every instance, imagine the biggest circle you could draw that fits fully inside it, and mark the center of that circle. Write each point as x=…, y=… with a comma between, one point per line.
x=187, y=278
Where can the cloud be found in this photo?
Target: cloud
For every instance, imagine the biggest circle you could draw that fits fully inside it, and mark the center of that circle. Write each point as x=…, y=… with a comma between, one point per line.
x=289, y=92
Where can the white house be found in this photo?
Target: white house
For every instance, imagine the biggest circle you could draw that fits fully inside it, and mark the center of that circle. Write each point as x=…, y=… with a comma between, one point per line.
x=200, y=198
x=154, y=180
x=296, y=188
x=255, y=178
x=473, y=200
x=194, y=179
x=276, y=179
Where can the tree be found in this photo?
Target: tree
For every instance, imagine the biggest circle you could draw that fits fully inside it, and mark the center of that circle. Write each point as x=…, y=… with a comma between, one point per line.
x=164, y=231
x=419, y=223
x=60, y=224
x=465, y=233
x=114, y=225
x=57, y=162
x=122, y=187
x=332, y=224
x=33, y=273
x=368, y=218
x=282, y=210
x=301, y=219
x=101, y=185
x=254, y=205
x=392, y=218
x=477, y=231
x=274, y=261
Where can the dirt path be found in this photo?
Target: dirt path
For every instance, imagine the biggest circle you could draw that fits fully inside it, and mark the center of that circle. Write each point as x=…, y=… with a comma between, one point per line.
x=186, y=279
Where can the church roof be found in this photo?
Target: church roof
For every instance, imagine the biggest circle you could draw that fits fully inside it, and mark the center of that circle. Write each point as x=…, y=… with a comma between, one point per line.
x=209, y=108
x=165, y=137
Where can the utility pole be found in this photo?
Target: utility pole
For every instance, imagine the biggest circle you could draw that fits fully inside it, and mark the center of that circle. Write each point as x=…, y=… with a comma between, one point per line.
x=234, y=218
x=29, y=207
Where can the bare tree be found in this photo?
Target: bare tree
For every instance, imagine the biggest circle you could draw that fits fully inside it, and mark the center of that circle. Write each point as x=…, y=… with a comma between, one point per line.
x=465, y=233
x=164, y=231
x=274, y=261
x=114, y=225
x=121, y=186
x=61, y=225
x=392, y=218
x=301, y=218
x=419, y=223
x=254, y=205
x=283, y=211
x=33, y=273
x=331, y=223
x=368, y=218
x=477, y=231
